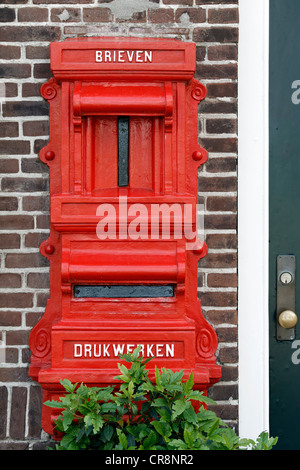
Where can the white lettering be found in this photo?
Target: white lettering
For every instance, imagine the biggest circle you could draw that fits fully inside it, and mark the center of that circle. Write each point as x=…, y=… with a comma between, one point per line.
x=107, y=56
x=88, y=350
x=118, y=349
x=138, y=57
x=77, y=350
x=130, y=55
x=149, y=350
x=123, y=56
x=148, y=56
x=130, y=348
x=102, y=350
x=98, y=56
x=105, y=350
x=169, y=350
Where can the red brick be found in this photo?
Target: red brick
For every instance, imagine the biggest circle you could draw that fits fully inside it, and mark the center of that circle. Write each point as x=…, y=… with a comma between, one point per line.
x=219, y=183
x=25, y=184
x=14, y=147
x=29, y=33
x=65, y=15
x=37, y=52
x=223, y=15
x=42, y=71
x=17, y=337
x=220, y=90
x=218, y=317
x=18, y=413
x=161, y=15
x=218, y=260
x=223, y=145
x=10, y=280
x=38, y=280
x=215, y=34
x=36, y=128
x=11, y=90
x=31, y=89
x=216, y=203
x=25, y=108
x=95, y=15
x=34, y=412
x=221, y=126
x=7, y=15
x=36, y=203
x=218, y=299
x=221, y=241
x=9, y=240
x=220, y=221
x=211, y=71
x=194, y=15
x=224, y=52
x=20, y=222
x=15, y=70
x=221, y=280
x=9, y=129
x=226, y=164
x=33, y=165
x=10, y=318
x=8, y=165
x=10, y=52
x=32, y=14
x=3, y=411
x=16, y=300
x=25, y=260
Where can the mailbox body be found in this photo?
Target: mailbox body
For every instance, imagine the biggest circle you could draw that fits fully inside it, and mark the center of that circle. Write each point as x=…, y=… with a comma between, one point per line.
x=123, y=157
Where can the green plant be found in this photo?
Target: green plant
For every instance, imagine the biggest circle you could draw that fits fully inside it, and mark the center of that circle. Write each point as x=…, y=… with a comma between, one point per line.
x=144, y=415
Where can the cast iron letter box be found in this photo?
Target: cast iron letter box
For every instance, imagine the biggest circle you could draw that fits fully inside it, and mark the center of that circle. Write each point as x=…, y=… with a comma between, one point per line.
x=123, y=246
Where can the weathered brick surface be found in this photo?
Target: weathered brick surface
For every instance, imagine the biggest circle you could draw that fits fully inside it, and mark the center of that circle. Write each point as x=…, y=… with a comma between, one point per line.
x=27, y=28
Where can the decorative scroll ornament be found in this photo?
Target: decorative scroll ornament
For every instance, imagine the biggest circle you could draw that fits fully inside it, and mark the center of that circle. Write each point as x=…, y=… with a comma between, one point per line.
x=42, y=343
x=199, y=92
x=48, y=90
x=206, y=343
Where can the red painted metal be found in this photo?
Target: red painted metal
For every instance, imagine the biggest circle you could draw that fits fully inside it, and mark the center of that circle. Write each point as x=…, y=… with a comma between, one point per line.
x=95, y=80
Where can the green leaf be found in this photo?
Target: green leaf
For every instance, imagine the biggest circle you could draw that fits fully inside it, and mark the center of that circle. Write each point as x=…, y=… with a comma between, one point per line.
x=190, y=415
x=122, y=439
x=163, y=428
x=54, y=404
x=178, y=408
x=107, y=433
x=188, y=438
x=151, y=440
x=67, y=419
x=94, y=420
x=68, y=385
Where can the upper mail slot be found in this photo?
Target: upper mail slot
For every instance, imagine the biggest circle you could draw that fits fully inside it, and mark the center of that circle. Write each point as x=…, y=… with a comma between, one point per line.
x=116, y=261
x=139, y=57
x=109, y=99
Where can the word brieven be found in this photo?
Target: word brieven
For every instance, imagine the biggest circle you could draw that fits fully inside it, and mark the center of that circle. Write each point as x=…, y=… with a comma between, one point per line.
x=123, y=56
x=94, y=350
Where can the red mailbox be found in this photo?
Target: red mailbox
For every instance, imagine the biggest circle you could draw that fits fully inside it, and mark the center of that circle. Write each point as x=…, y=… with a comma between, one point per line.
x=123, y=246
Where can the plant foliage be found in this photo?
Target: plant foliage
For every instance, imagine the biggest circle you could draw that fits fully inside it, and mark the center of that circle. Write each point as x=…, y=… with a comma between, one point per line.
x=144, y=415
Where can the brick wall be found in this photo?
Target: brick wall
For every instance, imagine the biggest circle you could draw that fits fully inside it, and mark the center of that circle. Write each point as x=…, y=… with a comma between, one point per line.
x=27, y=27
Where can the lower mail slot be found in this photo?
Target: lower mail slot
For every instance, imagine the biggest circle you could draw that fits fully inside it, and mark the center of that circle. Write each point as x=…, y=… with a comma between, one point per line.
x=123, y=291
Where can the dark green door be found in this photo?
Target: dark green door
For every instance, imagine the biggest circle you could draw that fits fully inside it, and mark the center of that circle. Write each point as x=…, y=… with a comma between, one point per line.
x=284, y=114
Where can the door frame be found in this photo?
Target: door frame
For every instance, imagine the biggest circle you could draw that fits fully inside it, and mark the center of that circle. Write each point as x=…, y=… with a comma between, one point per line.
x=253, y=217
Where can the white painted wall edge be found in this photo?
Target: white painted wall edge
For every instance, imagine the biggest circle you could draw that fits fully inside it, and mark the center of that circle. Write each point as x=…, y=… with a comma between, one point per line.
x=253, y=223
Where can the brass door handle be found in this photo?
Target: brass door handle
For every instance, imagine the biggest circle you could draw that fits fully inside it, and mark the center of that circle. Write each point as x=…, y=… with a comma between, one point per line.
x=288, y=319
